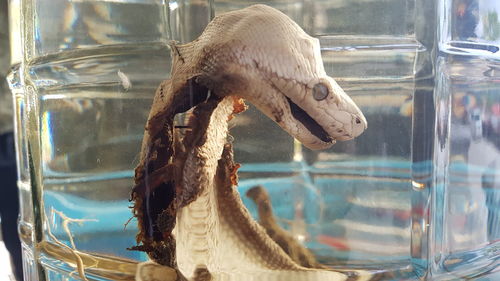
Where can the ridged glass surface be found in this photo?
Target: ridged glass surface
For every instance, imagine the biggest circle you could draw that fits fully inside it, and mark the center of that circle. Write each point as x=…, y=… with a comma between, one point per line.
x=415, y=196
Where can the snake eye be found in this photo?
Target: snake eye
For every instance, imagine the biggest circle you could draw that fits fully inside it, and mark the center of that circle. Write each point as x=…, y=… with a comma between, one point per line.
x=320, y=91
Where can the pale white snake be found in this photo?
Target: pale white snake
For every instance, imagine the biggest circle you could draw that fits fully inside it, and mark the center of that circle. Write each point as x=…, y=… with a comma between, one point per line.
x=188, y=181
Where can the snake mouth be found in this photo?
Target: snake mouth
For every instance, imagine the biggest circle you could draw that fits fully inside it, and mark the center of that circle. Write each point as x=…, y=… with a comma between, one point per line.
x=300, y=115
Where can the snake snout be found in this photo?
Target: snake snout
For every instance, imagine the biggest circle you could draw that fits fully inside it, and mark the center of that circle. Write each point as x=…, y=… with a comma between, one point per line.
x=359, y=125
x=349, y=121
x=353, y=124
x=352, y=129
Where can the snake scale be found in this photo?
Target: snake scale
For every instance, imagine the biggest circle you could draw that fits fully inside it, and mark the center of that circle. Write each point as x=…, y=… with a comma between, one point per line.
x=190, y=215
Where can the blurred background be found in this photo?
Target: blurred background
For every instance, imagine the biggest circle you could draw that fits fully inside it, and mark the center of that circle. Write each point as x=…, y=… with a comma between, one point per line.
x=9, y=207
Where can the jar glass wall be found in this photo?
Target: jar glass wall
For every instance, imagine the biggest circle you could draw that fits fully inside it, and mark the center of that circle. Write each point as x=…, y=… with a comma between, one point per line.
x=389, y=203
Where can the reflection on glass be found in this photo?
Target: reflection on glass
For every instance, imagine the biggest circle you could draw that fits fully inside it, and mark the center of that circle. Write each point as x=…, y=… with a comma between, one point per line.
x=90, y=74
x=470, y=146
x=471, y=24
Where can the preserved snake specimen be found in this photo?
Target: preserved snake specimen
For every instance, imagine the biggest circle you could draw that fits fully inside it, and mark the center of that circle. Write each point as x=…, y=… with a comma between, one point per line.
x=190, y=214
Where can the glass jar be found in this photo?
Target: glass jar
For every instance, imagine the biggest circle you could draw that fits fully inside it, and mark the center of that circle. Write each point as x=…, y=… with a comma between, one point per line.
x=414, y=197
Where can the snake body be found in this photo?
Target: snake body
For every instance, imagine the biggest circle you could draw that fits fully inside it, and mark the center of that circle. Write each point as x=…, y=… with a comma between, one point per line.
x=185, y=199
x=283, y=238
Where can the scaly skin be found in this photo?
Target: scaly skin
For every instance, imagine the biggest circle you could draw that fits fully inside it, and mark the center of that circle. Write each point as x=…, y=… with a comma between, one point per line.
x=261, y=55
x=186, y=184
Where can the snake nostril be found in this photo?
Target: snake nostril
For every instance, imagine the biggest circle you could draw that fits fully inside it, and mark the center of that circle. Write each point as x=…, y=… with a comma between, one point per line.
x=358, y=121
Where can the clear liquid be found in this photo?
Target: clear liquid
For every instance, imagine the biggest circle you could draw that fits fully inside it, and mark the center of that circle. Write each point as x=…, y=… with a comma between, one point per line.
x=91, y=125
x=364, y=203
x=468, y=140
x=92, y=107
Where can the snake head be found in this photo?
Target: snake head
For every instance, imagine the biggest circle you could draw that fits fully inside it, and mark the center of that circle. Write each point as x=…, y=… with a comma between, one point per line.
x=278, y=67
x=262, y=55
x=317, y=113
